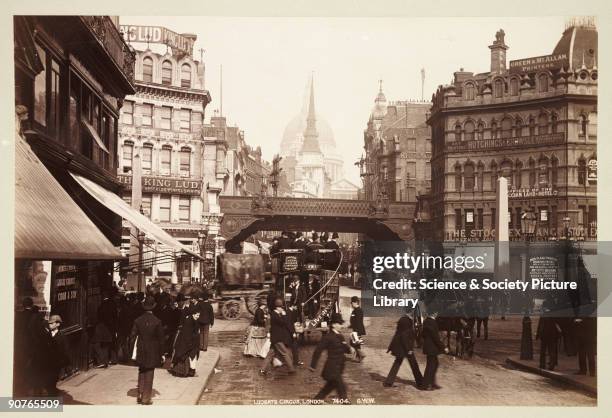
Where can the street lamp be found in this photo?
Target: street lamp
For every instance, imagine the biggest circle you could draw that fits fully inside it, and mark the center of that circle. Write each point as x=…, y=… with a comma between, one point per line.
x=141, y=239
x=528, y=226
x=202, y=235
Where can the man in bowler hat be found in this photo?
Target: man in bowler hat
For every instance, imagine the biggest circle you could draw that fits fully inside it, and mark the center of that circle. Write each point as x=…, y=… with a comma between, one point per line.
x=336, y=348
x=149, y=349
x=206, y=319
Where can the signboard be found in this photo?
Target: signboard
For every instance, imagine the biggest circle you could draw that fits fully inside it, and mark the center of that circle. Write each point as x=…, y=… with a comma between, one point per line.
x=531, y=192
x=66, y=294
x=499, y=143
x=545, y=62
x=164, y=185
x=592, y=171
x=159, y=35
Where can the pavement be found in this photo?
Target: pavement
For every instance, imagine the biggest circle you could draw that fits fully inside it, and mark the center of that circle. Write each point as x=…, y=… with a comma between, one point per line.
x=116, y=385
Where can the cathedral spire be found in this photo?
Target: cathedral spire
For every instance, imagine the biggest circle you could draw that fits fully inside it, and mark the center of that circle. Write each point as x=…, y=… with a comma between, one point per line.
x=311, y=144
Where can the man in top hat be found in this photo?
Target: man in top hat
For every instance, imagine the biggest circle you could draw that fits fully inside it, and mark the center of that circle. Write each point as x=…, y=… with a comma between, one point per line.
x=284, y=242
x=336, y=348
x=149, y=335
x=311, y=256
x=206, y=319
x=332, y=260
x=299, y=242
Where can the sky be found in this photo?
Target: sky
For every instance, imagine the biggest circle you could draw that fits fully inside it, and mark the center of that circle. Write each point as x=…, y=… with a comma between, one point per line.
x=267, y=62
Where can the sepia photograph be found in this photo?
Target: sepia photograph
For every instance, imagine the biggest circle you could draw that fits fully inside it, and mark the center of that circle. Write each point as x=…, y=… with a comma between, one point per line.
x=199, y=200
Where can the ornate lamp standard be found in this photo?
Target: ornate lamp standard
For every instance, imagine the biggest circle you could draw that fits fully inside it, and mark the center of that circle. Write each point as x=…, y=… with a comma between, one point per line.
x=528, y=226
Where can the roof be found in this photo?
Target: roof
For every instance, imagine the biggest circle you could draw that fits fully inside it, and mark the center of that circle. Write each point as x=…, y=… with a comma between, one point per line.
x=579, y=42
x=48, y=223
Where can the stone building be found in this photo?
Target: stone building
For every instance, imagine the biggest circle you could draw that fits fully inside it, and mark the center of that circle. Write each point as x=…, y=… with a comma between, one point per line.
x=534, y=122
x=162, y=123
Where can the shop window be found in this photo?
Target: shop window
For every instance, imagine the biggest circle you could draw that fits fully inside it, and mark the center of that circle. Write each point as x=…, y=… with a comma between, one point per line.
x=40, y=90
x=167, y=73
x=506, y=128
x=128, y=156
x=582, y=172
x=185, y=162
x=543, y=124
x=469, y=179
x=184, y=208
x=185, y=121
x=164, y=208
x=165, y=120
x=147, y=158
x=147, y=70
x=469, y=130
x=185, y=75
x=498, y=88
x=146, y=110
x=514, y=86
x=127, y=113
x=470, y=91
x=165, y=156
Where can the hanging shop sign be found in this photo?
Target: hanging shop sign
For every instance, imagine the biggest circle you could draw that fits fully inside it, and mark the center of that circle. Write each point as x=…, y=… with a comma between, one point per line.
x=592, y=171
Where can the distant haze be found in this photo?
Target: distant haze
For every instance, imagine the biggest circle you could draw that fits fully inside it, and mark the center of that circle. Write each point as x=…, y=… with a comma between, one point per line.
x=266, y=62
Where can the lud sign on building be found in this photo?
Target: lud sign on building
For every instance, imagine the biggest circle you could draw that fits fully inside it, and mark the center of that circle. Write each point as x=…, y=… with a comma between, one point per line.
x=165, y=185
x=159, y=35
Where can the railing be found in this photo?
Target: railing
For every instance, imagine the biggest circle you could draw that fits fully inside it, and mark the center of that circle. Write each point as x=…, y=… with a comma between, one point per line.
x=109, y=36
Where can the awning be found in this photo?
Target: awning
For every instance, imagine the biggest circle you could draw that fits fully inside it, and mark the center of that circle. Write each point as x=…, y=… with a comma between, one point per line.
x=94, y=135
x=48, y=223
x=117, y=205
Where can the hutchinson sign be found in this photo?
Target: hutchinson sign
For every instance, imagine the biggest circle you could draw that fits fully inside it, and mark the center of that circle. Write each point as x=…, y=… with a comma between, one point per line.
x=546, y=62
x=164, y=185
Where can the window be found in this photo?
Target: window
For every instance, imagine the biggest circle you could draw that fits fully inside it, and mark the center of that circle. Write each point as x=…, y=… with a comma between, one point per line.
x=532, y=173
x=146, y=111
x=185, y=75
x=554, y=172
x=73, y=111
x=543, y=172
x=542, y=83
x=384, y=173
x=480, y=185
x=146, y=205
x=185, y=116
x=147, y=70
x=127, y=198
x=167, y=73
x=147, y=158
x=165, y=121
x=469, y=130
x=493, y=218
x=554, y=124
x=185, y=162
x=457, y=132
x=458, y=178
x=506, y=128
x=164, y=208
x=493, y=176
x=127, y=113
x=184, y=208
x=531, y=126
x=458, y=220
x=543, y=124
x=480, y=131
x=584, y=123
x=493, y=130
x=54, y=99
x=479, y=219
x=196, y=121
x=518, y=127
x=165, y=156
x=498, y=88
x=469, y=91
x=469, y=177
x=582, y=172
x=128, y=155
x=514, y=87
x=40, y=90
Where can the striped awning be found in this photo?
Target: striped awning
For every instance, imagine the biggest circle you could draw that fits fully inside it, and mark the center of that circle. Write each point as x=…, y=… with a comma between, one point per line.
x=48, y=223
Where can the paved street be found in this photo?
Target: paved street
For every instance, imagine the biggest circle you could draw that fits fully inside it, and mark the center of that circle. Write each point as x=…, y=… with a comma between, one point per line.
x=482, y=380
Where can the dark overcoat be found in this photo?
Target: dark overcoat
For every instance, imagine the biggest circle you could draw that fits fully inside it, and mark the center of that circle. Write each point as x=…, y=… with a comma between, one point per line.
x=432, y=345
x=403, y=339
x=149, y=347
x=207, y=314
x=187, y=340
x=281, y=329
x=336, y=349
x=106, y=327
x=357, y=321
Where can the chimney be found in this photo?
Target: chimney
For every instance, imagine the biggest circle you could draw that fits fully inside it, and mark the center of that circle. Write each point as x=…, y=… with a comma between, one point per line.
x=498, y=53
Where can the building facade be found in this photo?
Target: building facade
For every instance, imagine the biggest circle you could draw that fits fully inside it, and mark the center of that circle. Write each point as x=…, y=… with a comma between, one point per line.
x=397, y=145
x=162, y=124
x=533, y=122
x=68, y=96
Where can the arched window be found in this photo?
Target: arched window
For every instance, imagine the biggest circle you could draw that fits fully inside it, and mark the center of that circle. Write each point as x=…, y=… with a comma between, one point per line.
x=185, y=162
x=147, y=69
x=470, y=91
x=518, y=172
x=582, y=172
x=532, y=173
x=166, y=72
x=469, y=180
x=506, y=171
x=518, y=127
x=543, y=172
x=531, y=126
x=147, y=158
x=554, y=124
x=514, y=86
x=480, y=185
x=584, y=123
x=469, y=130
x=457, y=132
x=493, y=129
x=543, y=83
x=457, y=178
x=554, y=171
x=506, y=127
x=185, y=75
x=493, y=176
x=165, y=160
x=498, y=88
x=128, y=156
x=543, y=124
x=480, y=130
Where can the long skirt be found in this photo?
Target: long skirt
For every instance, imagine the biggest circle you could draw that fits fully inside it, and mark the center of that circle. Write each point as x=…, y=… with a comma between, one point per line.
x=257, y=342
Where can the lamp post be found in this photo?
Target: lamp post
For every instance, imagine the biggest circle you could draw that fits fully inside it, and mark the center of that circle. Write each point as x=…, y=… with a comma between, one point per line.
x=528, y=226
x=141, y=239
x=202, y=235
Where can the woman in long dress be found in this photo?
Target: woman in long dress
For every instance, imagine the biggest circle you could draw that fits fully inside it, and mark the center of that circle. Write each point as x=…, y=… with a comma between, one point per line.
x=257, y=340
x=187, y=345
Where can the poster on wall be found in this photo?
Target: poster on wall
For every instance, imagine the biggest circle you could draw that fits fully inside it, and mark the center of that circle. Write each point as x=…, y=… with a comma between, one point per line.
x=66, y=295
x=34, y=281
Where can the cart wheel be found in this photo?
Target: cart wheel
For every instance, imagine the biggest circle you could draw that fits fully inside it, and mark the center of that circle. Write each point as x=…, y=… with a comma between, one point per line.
x=231, y=310
x=253, y=302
